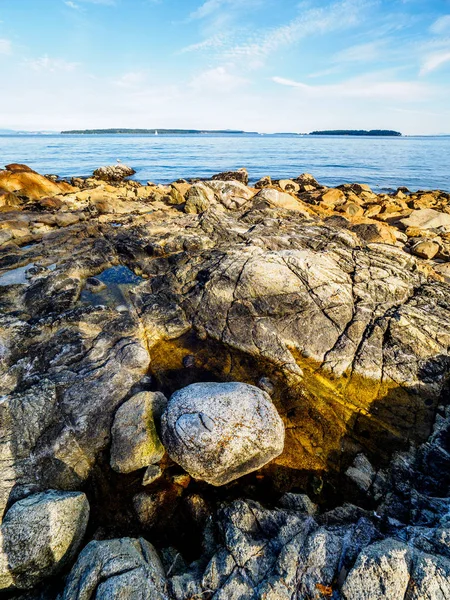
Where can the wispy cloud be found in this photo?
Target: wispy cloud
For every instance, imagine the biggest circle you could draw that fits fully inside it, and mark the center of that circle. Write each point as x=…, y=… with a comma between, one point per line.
x=435, y=61
x=316, y=21
x=216, y=41
x=361, y=88
x=360, y=53
x=5, y=46
x=441, y=25
x=51, y=65
x=210, y=7
x=73, y=5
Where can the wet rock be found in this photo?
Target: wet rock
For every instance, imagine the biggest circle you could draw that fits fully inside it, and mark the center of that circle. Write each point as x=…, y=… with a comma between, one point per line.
x=240, y=175
x=121, y=568
x=114, y=173
x=219, y=432
x=135, y=441
x=39, y=536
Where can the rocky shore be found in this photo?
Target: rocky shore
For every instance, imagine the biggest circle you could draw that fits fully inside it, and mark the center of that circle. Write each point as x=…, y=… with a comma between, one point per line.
x=216, y=390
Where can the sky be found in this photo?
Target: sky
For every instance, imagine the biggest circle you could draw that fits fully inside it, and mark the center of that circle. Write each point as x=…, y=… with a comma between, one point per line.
x=256, y=65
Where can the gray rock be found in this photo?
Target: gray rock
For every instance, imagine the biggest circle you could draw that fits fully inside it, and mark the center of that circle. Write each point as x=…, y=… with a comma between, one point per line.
x=152, y=473
x=219, y=432
x=361, y=472
x=126, y=569
x=114, y=173
x=135, y=441
x=39, y=536
x=426, y=218
x=232, y=194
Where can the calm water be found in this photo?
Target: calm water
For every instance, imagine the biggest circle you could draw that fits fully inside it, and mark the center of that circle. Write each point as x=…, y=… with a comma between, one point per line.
x=416, y=162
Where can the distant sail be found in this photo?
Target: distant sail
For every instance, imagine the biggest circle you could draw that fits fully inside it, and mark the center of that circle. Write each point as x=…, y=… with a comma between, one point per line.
x=156, y=132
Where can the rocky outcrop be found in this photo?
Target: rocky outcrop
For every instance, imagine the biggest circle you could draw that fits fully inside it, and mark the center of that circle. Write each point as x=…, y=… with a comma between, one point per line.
x=114, y=173
x=219, y=432
x=113, y=295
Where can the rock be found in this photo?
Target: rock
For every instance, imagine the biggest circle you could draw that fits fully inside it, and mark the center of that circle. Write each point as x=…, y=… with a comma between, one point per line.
x=375, y=233
x=263, y=182
x=232, y=194
x=19, y=168
x=113, y=173
x=135, y=441
x=219, y=432
x=361, y=472
x=155, y=509
x=425, y=250
x=333, y=197
x=8, y=200
x=152, y=473
x=39, y=536
x=66, y=219
x=351, y=209
x=443, y=269
x=31, y=184
x=300, y=503
x=129, y=569
x=240, y=175
x=426, y=218
x=199, y=198
x=176, y=197
x=278, y=199
x=287, y=185
x=359, y=188
x=306, y=180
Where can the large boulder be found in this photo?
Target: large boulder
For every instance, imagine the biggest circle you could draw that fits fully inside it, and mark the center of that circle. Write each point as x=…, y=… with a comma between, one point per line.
x=39, y=536
x=220, y=431
x=277, y=199
x=232, y=194
x=126, y=568
x=31, y=185
x=114, y=173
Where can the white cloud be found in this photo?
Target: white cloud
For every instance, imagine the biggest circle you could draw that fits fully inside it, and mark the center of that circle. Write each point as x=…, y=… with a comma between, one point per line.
x=52, y=65
x=71, y=4
x=132, y=79
x=434, y=61
x=361, y=88
x=441, y=25
x=216, y=80
x=5, y=46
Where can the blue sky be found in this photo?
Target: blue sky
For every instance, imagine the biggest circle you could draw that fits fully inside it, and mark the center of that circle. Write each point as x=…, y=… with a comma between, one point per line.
x=264, y=65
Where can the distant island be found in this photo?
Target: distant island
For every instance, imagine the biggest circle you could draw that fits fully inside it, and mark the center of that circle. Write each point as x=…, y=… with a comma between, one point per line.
x=359, y=132
x=156, y=132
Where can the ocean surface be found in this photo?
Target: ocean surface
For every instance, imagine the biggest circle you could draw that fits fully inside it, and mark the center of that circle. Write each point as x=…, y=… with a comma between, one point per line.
x=383, y=163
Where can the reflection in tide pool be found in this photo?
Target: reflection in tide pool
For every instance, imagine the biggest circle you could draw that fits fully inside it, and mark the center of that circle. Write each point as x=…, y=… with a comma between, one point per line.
x=110, y=288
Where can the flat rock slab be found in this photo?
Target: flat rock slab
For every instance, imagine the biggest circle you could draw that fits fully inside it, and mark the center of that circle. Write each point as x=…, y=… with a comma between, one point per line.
x=220, y=431
x=427, y=218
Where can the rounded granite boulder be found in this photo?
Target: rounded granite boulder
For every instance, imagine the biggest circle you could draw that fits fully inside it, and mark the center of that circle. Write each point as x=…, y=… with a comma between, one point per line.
x=220, y=431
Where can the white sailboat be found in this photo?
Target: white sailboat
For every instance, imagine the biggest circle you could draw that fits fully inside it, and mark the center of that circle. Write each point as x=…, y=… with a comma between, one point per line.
x=156, y=132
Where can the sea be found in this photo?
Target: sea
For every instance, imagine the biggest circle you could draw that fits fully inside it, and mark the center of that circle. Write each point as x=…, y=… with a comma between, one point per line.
x=384, y=163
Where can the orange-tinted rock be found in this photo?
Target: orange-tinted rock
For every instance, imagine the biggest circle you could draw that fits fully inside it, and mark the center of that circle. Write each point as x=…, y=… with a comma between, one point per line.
x=31, y=185
x=8, y=200
x=18, y=168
